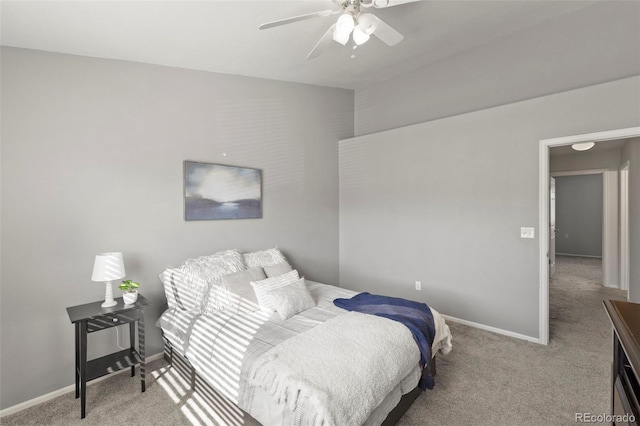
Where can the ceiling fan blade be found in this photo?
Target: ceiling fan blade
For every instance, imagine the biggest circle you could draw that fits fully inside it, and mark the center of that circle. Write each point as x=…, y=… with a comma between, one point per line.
x=299, y=18
x=326, y=39
x=386, y=33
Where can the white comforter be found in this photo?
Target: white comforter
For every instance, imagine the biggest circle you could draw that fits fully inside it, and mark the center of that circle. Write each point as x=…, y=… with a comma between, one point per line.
x=224, y=348
x=317, y=374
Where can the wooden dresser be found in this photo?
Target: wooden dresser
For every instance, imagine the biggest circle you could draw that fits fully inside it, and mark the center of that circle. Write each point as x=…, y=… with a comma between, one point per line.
x=625, y=383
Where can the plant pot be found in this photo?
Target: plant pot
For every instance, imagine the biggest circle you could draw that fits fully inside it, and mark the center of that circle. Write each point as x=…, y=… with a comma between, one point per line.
x=130, y=297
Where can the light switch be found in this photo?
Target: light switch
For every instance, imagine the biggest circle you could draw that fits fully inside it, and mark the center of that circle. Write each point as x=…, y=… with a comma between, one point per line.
x=527, y=232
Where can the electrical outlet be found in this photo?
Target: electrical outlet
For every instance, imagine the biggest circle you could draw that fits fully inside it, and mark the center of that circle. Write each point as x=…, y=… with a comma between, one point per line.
x=527, y=232
x=566, y=235
x=418, y=285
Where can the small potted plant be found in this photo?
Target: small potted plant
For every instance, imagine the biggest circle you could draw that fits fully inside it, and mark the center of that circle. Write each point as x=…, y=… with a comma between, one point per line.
x=130, y=294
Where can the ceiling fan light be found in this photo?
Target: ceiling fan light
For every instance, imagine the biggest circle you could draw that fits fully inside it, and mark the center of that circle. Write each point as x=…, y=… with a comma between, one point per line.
x=359, y=36
x=340, y=38
x=344, y=26
x=380, y=3
x=367, y=23
x=583, y=146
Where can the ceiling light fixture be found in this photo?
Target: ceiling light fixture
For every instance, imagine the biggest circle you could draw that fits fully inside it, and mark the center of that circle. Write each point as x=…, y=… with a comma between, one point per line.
x=352, y=19
x=360, y=25
x=583, y=146
x=367, y=23
x=359, y=36
x=344, y=26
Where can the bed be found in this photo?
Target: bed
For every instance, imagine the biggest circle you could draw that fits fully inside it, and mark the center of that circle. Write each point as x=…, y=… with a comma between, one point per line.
x=296, y=360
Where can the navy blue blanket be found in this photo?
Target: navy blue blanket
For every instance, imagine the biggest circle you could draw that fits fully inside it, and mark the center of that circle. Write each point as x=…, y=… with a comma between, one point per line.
x=415, y=316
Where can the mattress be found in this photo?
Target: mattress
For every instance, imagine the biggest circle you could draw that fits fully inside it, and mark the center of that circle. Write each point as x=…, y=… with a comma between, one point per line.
x=222, y=346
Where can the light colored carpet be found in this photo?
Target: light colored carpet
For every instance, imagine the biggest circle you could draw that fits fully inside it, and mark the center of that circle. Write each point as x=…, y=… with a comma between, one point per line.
x=490, y=379
x=487, y=379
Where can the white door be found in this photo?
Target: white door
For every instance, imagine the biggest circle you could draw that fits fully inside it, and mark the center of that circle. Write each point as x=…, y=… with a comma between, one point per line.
x=552, y=226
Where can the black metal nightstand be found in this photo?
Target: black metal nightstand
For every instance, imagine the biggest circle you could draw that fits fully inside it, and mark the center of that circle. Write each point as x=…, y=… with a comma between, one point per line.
x=92, y=317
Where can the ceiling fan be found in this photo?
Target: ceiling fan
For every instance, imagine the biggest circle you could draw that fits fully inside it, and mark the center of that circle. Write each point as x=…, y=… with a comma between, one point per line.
x=353, y=22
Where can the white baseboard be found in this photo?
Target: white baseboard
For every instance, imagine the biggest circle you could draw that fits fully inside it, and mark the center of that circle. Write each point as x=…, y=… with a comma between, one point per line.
x=492, y=329
x=40, y=399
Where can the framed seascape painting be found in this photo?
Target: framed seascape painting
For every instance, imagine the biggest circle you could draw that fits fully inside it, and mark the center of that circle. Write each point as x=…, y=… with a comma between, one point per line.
x=216, y=191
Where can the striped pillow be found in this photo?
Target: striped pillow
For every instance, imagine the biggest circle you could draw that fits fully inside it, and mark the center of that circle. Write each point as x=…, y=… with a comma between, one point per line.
x=263, y=287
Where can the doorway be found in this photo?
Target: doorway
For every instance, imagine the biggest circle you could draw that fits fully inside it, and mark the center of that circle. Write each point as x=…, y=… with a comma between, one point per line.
x=585, y=223
x=544, y=216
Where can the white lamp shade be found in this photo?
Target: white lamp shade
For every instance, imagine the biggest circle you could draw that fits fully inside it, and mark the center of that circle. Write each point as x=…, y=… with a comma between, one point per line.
x=344, y=26
x=359, y=36
x=367, y=23
x=108, y=267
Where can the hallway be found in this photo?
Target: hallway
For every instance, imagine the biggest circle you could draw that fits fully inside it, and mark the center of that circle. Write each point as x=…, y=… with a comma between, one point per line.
x=575, y=302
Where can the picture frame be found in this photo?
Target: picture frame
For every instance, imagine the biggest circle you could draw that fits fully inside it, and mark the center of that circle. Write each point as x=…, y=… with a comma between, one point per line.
x=221, y=192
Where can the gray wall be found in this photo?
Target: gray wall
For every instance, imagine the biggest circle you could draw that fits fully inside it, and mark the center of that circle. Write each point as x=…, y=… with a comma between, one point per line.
x=442, y=202
x=631, y=153
x=590, y=160
x=92, y=158
x=597, y=44
x=579, y=215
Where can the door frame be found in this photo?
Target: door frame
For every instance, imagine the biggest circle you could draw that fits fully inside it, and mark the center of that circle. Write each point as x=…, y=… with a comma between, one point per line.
x=543, y=211
x=553, y=243
x=624, y=227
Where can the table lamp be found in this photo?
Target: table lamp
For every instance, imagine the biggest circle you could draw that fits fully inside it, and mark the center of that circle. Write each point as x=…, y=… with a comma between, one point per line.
x=106, y=268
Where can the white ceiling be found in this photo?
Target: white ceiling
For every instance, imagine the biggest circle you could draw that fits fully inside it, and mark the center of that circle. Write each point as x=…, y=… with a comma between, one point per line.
x=599, y=146
x=223, y=36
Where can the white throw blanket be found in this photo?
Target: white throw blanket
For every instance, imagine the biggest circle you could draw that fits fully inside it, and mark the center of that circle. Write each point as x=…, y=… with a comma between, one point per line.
x=338, y=372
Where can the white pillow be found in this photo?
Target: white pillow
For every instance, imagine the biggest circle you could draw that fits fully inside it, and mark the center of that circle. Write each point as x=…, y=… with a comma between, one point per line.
x=278, y=269
x=264, y=258
x=291, y=299
x=203, y=277
x=262, y=288
x=238, y=283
